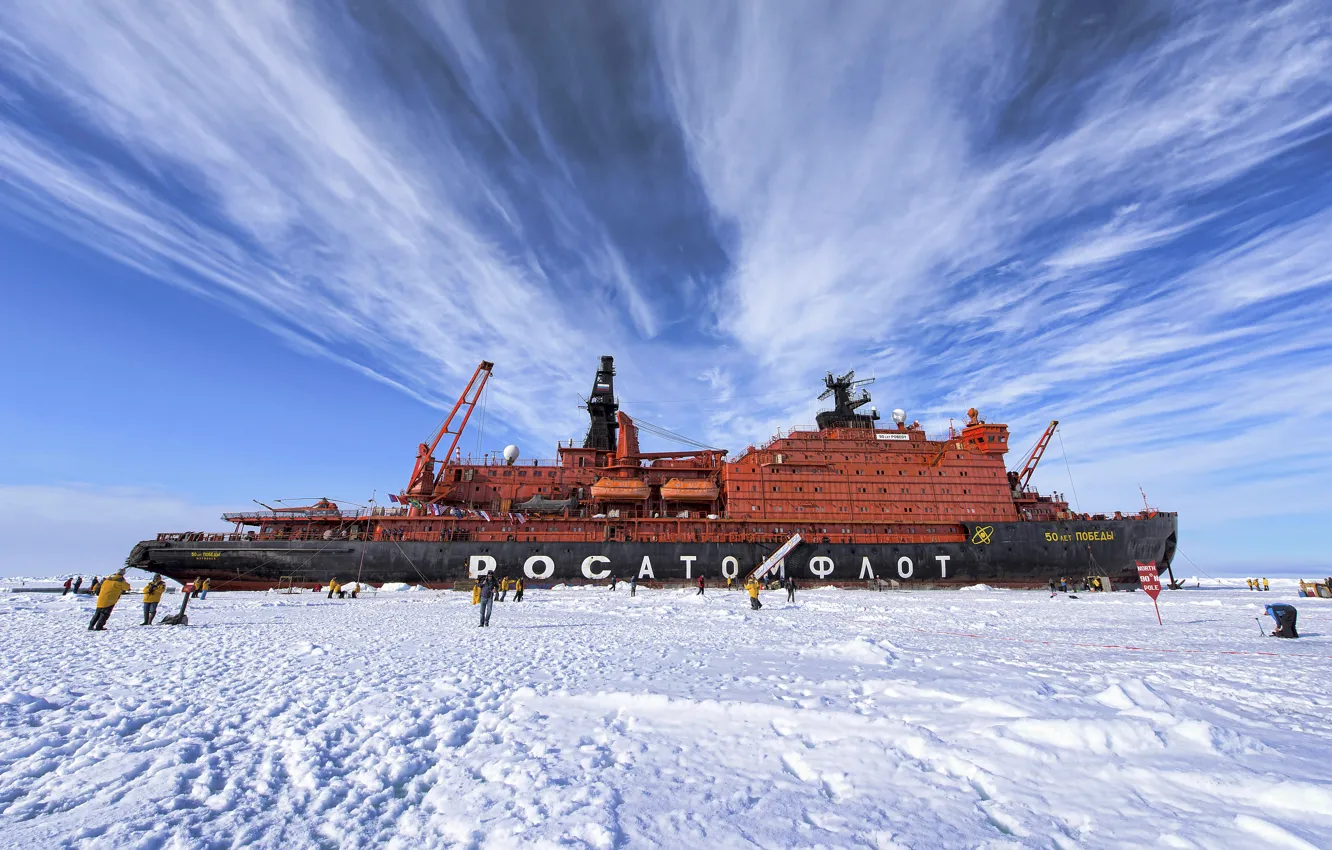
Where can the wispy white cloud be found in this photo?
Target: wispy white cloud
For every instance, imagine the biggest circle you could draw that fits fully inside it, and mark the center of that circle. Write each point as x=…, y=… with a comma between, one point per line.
x=1048, y=269
x=1095, y=219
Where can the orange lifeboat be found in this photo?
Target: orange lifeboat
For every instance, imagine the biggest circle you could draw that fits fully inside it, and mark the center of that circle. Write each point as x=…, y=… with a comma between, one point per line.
x=620, y=490
x=694, y=490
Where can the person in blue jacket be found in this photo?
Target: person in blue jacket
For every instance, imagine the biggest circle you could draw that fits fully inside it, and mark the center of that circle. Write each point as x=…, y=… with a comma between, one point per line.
x=1284, y=615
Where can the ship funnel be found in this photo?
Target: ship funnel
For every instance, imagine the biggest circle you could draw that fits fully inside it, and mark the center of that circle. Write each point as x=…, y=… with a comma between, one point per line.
x=510, y=455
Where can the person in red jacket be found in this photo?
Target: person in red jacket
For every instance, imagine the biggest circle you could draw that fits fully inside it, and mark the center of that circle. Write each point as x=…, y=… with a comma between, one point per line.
x=700, y=586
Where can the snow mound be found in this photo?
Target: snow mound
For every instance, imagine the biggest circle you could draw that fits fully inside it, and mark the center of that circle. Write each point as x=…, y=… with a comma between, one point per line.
x=862, y=650
x=397, y=587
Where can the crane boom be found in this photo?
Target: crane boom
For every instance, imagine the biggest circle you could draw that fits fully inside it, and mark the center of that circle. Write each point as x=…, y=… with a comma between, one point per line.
x=423, y=474
x=1029, y=465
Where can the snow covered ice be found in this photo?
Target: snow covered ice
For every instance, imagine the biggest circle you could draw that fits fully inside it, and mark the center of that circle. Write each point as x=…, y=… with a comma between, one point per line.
x=586, y=718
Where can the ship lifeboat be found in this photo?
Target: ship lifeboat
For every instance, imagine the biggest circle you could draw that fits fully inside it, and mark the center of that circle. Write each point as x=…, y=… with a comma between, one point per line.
x=697, y=490
x=620, y=490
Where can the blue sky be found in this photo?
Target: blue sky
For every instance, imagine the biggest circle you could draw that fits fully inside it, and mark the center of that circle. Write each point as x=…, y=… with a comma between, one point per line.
x=249, y=250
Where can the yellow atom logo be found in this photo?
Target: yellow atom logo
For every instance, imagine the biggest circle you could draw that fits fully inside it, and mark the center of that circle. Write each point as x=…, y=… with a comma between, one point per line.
x=982, y=534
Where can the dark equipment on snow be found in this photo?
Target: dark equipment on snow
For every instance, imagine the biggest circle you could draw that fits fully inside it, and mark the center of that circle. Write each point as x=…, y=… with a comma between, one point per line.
x=179, y=619
x=1284, y=615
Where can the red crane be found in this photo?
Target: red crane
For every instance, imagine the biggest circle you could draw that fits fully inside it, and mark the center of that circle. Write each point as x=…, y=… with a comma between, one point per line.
x=1029, y=465
x=423, y=479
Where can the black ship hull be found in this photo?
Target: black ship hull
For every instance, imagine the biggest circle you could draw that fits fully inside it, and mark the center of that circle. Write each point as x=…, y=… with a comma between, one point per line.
x=1017, y=554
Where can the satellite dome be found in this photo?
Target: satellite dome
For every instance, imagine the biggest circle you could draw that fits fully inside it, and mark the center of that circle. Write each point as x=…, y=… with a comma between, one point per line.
x=510, y=454
x=899, y=416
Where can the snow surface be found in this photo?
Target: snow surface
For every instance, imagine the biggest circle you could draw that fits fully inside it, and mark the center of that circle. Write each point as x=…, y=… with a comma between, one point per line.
x=587, y=718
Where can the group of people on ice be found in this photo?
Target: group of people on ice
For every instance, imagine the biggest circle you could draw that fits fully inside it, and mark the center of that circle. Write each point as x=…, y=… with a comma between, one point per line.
x=752, y=586
x=109, y=591
x=1254, y=584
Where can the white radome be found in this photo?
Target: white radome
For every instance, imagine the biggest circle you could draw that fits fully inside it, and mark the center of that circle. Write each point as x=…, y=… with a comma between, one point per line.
x=510, y=454
x=899, y=416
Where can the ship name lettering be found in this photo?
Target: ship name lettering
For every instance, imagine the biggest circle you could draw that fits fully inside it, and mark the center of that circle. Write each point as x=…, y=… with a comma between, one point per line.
x=479, y=565
x=1095, y=535
x=730, y=566
x=821, y=566
x=689, y=564
x=904, y=567
x=1056, y=537
x=595, y=559
x=943, y=565
x=866, y=571
x=645, y=571
x=206, y=556
x=539, y=559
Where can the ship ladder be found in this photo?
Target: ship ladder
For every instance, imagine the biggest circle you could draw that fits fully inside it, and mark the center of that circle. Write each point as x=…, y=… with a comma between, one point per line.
x=770, y=563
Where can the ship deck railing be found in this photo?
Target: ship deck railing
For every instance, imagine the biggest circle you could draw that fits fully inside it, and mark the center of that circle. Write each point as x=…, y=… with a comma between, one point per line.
x=549, y=537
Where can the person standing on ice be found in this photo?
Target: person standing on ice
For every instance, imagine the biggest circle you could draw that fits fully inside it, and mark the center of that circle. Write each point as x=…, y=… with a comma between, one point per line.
x=68, y=582
x=487, y=599
x=752, y=586
x=504, y=588
x=108, y=594
x=700, y=586
x=790, y=588
x=78, y=582
x=476, y=593
x=518, y=590
x=633, y=585
x=152, y=594
x=207, y=586
x=95, y=585
x=1266, y=586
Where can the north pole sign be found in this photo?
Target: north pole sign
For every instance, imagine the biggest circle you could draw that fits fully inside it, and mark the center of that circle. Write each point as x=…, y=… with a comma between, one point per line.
x=1150, y=583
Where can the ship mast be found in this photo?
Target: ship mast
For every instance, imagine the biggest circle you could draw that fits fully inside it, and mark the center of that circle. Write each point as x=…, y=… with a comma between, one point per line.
x=423, y=480
x=1029, y=465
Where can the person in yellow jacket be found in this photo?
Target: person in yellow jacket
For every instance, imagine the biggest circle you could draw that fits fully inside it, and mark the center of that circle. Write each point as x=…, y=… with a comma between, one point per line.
x=752, y=586
x=476, y=593
x=518, y=588
x=207, y=586
x=332, y=587
x=1266, y=586
x=152, y=594
x=107, y=597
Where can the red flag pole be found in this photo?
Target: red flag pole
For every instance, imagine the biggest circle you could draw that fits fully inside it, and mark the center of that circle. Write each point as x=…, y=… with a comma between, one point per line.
x=1158, y=612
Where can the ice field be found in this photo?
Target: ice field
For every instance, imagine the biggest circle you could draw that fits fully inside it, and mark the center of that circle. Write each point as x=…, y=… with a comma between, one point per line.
x=586, y=718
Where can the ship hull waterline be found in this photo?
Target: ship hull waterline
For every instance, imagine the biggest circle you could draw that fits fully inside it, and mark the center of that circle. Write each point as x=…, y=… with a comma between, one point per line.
x=1017, y=554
